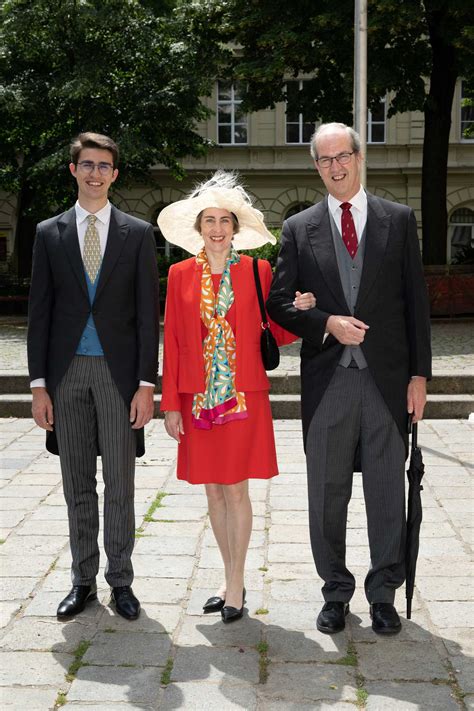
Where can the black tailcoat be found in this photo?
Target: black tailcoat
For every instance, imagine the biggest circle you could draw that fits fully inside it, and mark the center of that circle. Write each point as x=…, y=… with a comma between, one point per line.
x=392, y=300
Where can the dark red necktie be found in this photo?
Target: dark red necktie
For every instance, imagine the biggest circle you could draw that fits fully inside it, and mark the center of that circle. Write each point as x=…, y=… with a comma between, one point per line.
x=349, y=236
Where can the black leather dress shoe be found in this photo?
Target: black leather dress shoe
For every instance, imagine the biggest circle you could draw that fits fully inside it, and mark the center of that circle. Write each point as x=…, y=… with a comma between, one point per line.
x=332, y=617
x=213, y=604
x=385, y=619
x=126, y=604
x=75, y=602
x=231, y=614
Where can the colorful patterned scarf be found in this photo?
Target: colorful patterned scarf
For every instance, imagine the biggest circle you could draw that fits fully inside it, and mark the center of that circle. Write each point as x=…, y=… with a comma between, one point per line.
x=219, y=403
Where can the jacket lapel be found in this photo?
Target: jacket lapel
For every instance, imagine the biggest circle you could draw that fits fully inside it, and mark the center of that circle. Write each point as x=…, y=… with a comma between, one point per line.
x=322, y=245
x=376, y=237
x=70, y=241
x=118, y=233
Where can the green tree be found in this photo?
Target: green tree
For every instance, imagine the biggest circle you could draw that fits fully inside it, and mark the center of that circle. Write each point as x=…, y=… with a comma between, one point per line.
x=417, y=50
x=116, y=67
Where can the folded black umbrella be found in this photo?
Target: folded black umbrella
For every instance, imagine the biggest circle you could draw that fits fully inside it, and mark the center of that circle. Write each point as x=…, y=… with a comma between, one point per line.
x=414, y=515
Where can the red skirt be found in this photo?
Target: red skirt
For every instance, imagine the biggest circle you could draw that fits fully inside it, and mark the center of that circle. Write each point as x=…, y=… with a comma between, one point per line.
x=229, y=453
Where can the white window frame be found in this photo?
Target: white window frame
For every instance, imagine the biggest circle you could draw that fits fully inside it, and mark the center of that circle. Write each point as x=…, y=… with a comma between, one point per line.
x=371, y=123
x=452, y=226
x=300, y=123
x=233, y=103
x=463, y=140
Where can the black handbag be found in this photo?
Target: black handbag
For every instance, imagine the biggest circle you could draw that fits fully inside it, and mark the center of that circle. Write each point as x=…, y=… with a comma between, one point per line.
x=268, y=345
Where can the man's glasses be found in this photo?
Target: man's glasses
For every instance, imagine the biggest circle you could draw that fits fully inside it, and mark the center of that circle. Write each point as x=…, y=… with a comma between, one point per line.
x=87, y=166
x=342, y=159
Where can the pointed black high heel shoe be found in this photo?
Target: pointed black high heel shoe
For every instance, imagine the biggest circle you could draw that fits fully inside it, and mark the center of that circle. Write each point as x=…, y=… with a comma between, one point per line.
x=213, y=604
x=231, y=614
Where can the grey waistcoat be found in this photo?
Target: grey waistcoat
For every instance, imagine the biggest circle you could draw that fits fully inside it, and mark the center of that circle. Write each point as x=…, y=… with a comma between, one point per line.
x=350, y=271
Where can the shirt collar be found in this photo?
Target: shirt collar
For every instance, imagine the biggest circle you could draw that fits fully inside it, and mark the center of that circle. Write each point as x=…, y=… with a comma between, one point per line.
x=359, y=201
x=103, y=215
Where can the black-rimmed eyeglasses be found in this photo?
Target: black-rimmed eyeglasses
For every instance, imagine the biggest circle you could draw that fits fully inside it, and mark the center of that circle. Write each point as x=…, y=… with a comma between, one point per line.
x=87, y=166
x=342, y=159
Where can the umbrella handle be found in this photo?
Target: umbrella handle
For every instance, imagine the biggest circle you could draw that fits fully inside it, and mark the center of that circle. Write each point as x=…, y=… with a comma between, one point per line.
x=412, y=428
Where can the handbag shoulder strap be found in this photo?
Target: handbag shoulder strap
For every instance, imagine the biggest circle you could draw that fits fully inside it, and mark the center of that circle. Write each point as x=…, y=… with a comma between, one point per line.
x=259, y=292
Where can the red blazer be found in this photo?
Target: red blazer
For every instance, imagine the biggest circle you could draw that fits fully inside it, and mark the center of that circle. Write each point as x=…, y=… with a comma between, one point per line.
x=183, y=365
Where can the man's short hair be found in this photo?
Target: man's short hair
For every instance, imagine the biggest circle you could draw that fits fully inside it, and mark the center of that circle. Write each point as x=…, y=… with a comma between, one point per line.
x=93, y=140
x=325, y=127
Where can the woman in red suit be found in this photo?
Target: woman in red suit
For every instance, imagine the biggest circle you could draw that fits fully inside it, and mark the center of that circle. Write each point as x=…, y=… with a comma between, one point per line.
x=215, y=389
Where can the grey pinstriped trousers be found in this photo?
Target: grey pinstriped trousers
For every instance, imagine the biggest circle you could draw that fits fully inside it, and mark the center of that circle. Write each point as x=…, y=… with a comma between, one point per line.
x=90, y=414
x=352, y=410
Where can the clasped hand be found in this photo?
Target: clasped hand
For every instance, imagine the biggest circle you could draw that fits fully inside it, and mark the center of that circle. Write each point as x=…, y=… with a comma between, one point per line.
x=347, y=330
x=305, y=301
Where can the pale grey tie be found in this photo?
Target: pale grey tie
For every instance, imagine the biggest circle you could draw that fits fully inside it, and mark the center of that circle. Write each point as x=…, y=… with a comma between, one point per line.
x=92, y=257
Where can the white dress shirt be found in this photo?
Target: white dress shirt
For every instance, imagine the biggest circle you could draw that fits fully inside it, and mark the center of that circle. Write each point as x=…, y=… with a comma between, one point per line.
x=358, y=211
x=102, y=224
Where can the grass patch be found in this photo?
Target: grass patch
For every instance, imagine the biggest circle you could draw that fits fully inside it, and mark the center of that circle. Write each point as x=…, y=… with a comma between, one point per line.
x=263, y=568
x=60, y=700
x=361, y=698
x=166, y=674
x=263, y=662
x=453, y=683
x=350, y=660
x=79, y=652
x=261, y=611
x=110, y=630
x=155, y=504
x=361, y=693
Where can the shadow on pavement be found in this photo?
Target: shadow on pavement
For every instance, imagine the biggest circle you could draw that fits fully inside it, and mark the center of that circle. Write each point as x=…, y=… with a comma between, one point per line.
x=123, y=662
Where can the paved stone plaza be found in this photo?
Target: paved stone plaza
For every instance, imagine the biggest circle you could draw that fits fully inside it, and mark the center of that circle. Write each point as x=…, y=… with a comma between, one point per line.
x=175, y=658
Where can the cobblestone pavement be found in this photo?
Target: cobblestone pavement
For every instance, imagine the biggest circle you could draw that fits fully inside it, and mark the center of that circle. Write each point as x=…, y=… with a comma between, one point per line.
x=173, y=657
x=453, y=347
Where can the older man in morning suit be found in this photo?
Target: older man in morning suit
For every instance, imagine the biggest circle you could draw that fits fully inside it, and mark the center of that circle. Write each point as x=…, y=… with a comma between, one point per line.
x=93, y=360
x=365, y=359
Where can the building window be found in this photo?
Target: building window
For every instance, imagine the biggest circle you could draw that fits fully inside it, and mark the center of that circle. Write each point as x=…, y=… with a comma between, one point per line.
x=297, y=129
x=231, y=121
x=461, y=242
x=294, y=209
x=376, y=123
x=467, y=114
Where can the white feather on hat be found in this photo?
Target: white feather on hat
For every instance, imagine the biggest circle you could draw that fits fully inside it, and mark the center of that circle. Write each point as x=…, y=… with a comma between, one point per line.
x=177, y=221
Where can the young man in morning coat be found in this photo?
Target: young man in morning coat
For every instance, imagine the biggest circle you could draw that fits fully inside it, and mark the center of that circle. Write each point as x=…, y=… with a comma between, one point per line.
x=93, y=360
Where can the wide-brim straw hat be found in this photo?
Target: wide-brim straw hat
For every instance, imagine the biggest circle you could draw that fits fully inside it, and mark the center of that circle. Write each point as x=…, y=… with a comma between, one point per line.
x=176, y=221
